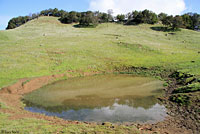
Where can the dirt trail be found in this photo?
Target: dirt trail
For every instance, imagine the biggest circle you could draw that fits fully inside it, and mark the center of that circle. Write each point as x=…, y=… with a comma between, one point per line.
x=12, y=95
x=24, y=86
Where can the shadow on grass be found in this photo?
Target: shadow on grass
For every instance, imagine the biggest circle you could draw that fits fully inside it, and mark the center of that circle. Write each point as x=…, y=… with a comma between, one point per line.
x=82, y=26
x=164, y=29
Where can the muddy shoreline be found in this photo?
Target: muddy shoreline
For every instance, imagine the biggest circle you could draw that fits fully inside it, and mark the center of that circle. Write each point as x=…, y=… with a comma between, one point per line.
x=178, y=121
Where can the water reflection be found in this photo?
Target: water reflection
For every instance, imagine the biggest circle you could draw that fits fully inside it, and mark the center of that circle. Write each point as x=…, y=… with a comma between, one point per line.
x=115, y=113
x=113, y=98
x=96, y=102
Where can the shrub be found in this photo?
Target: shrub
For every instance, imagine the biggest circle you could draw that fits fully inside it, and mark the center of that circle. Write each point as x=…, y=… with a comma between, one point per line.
x=180, y=99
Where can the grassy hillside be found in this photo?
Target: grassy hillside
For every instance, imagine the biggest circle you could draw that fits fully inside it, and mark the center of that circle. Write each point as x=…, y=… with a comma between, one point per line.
x=45, y=46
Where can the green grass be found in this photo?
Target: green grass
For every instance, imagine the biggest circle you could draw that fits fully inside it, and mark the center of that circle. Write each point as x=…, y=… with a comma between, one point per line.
x=45, y=47
x=3, y=106
x=181, y=99
x=34, y=126
x=189, y=88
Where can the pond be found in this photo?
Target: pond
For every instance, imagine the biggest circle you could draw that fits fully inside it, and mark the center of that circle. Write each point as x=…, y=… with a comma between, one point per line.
x=100, y=98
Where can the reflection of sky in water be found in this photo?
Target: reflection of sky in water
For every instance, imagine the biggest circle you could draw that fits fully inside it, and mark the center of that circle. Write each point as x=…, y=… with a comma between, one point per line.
x=102, y=98
x=115, y=113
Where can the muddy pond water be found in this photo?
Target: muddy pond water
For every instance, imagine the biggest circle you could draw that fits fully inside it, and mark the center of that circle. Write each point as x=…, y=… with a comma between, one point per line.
x=100, y=98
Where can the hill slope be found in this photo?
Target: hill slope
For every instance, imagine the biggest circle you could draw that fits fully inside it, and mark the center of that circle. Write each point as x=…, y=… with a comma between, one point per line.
x=45, y=46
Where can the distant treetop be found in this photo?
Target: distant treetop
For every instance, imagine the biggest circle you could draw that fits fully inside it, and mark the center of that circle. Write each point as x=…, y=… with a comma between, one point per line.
x=92, y=19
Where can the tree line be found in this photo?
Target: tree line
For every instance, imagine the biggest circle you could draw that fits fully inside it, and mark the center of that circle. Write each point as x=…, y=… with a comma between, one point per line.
x=92, y=19
x=188, y=20
x=85, y=19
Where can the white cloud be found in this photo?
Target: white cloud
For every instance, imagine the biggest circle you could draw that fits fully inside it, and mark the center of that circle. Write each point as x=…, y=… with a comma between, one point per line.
x=171, y=7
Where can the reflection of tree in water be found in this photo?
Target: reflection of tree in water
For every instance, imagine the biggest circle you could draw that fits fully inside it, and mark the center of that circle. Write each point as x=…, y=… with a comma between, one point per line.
x=137, y=101
x=94, y=101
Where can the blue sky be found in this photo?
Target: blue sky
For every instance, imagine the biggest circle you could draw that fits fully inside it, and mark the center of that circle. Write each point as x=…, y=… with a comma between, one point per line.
x=14, y=8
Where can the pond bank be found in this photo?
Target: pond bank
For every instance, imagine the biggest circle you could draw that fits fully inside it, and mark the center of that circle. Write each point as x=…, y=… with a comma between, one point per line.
x=12, y=95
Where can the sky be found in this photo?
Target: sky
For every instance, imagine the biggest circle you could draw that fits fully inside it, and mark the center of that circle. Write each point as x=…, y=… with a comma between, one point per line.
x=14, y=8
